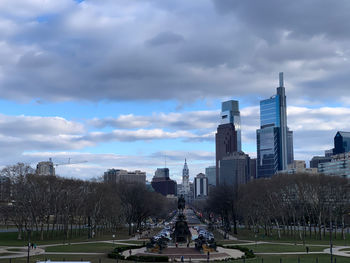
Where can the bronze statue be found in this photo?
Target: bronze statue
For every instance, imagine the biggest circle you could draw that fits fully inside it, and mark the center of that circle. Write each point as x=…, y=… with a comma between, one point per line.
x=181, y=203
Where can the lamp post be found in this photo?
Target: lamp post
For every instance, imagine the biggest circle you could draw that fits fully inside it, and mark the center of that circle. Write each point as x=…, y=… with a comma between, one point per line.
x=330, y=234
x=29, y=233
x=330, y=240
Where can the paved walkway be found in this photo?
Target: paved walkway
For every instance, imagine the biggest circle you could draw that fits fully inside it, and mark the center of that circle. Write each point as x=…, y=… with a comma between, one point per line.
x=189, y=254
x=228, y=236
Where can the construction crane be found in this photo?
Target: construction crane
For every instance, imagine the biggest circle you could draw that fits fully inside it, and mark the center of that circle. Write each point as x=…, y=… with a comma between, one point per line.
x=69, y=162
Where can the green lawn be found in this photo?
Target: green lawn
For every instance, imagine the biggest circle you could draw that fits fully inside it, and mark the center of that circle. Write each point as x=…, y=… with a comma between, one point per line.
x=92, y=259
x=303, y=259
x=244, y=234
x=275, y=248
x=90, y=247
x=10, y=239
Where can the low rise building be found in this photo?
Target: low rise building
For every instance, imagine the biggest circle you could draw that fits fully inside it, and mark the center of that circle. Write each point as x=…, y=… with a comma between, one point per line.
x=316, y=160
x=45, y=168
x=119, y=175
x=338, y=166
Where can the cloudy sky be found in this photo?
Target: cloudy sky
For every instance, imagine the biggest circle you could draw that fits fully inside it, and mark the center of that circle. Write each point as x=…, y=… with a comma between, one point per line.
x=124, y=83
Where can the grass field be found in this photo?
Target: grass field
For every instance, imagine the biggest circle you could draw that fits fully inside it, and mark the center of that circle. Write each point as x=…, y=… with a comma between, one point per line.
x=294, y=259
x=276, y=248
x=90, y=247
x=244, y=234
x=92, y=259
x=10, y=238
x=104, y=259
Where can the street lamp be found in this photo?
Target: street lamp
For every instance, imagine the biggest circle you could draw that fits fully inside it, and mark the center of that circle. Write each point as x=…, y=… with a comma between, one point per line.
x=29, y=233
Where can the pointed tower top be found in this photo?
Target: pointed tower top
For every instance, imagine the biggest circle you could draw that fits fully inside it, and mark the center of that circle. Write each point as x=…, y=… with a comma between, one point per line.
x=281, y=79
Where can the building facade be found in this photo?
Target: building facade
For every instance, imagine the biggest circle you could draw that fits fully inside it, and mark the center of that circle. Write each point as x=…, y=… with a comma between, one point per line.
x=185, y=189
x=200, y=186
x=210, y=173
x=45, y=168
x=298, y=166
x=274, y=139
x=341, y=142
x=338, y=166
x=161, y=182
x=119, y=176
x=228, y=135
x=316, y=160
x=230, y=114
x=235, y=169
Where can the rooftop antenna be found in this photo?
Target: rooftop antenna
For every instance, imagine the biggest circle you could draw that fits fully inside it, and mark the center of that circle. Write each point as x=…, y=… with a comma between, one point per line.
x=165, y=160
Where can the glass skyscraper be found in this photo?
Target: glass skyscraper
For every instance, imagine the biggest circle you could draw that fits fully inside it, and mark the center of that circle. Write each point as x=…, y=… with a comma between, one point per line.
x=230, y=114
x=274, y=140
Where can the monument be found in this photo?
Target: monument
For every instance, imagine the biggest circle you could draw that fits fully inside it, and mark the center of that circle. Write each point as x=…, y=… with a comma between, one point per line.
x=181, y=233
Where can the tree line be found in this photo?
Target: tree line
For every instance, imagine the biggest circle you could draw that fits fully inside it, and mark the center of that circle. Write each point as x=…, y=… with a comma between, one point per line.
x=48, y=205
x=298, y=205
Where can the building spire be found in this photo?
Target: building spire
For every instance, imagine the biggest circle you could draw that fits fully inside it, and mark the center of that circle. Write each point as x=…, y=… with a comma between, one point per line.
x=281, y=79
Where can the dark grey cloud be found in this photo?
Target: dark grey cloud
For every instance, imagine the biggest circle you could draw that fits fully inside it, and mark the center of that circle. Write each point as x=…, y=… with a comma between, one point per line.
x=301, y=19
x=165, y=38
x=96, y=50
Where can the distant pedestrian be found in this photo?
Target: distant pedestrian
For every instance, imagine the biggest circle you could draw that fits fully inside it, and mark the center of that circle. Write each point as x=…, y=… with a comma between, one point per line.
x=307, y=250
x=182, y=259
x=34, y=246
x=176, y=244
x=188, y=244
x=129, y=252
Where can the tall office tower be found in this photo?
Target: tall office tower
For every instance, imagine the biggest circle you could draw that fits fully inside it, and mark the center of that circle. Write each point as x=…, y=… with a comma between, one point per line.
x=228, y=135
x=274, y=140
x=210, y=173
x=235, y=169
x=225, y=144
x=230, y=114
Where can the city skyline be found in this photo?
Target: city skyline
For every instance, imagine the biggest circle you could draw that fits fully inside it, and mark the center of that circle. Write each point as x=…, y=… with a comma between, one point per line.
x=121, y=84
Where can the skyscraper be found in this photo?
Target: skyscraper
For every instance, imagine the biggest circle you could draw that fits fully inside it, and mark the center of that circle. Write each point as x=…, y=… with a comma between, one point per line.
x=228, y=135
x=230, y=114
x=235, y=169
x=274, y=140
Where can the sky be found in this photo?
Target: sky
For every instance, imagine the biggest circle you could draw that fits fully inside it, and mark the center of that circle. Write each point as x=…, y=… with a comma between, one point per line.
x=138, y=84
